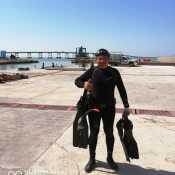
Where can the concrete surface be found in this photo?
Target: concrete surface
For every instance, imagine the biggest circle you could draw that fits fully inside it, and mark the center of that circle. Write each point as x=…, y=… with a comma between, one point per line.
x=26, y=134
x=155, y=137
x=148, y=87
x=38, y=142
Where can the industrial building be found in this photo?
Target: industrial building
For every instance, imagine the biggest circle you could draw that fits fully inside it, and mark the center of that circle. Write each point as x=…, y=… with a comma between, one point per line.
x=2, y=54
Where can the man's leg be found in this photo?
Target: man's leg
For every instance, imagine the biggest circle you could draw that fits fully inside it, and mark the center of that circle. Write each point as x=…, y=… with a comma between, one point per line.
x=108, y=116
x=94, y=122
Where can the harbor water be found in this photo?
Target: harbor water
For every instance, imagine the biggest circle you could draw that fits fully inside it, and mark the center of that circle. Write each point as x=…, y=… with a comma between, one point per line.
x=46, y=61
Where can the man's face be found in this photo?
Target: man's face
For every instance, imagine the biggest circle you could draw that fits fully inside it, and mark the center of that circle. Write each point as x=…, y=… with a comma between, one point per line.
x=102, y=61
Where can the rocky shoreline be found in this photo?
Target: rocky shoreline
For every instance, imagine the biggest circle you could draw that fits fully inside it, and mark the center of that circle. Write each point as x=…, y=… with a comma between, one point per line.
x=6, y=77
x=17, y=61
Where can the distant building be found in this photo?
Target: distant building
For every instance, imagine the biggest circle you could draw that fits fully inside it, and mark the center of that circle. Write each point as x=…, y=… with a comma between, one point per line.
x=81, y=52
x=2, y=54
x=167, y=59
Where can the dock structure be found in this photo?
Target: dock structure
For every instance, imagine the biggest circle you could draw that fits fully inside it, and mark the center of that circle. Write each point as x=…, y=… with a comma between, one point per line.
x=80, y=55
x=46, y=54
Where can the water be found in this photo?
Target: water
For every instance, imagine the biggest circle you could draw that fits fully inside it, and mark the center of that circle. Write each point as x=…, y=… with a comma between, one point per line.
x=47, y=62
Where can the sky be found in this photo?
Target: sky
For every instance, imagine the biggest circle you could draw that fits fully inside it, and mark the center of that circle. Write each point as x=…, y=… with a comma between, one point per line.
x=135, y=27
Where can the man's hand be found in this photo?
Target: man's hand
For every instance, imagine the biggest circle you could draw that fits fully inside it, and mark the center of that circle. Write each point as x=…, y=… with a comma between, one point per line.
x=88, y=85
x=126, y=112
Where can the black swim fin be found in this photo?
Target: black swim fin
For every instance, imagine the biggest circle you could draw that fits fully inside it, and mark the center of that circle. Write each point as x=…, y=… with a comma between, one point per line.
x=129, y=140
x=129, y=144
x=120, y=128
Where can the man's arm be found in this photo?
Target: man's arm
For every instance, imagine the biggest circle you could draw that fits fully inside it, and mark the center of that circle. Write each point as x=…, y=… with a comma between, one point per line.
x=121, y=88
x=79, y=82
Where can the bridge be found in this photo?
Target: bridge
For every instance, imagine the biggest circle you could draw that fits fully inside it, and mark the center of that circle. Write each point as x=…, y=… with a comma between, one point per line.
x=58, y=54
x=46, y=54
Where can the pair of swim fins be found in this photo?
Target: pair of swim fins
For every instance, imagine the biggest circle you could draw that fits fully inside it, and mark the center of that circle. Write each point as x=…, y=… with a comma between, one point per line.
x=129, y=144
x=81, y=129
x=80, y=124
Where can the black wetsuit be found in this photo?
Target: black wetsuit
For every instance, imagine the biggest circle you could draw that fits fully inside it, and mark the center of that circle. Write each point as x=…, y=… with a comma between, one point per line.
x=104, y=82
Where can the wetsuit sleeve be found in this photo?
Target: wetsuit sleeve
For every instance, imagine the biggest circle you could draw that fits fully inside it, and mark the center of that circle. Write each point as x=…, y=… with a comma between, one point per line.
x=79, y=82
x=121, y=88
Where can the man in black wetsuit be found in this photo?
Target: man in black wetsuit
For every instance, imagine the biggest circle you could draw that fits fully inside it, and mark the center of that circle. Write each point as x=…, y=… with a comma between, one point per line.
x=101, y=81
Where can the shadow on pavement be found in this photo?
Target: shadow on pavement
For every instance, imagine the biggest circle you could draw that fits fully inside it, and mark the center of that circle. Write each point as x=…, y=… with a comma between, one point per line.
x=129, y=169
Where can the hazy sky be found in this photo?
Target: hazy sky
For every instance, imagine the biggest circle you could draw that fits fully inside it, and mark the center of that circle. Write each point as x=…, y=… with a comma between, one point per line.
x=137, y=27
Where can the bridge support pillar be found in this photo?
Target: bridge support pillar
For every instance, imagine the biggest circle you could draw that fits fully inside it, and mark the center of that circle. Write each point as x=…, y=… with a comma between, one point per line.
x=29, y=55
x=40, y=55
x=17, y=55
x=50, y=55
x=66, y=55
x=58, y=55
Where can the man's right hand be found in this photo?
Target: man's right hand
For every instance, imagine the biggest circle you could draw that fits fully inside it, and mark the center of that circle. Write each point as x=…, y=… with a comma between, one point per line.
x=126, y=113
x=88, y=85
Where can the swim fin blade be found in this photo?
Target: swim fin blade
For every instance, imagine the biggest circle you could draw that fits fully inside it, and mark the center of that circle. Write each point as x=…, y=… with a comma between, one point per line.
x=129, y=144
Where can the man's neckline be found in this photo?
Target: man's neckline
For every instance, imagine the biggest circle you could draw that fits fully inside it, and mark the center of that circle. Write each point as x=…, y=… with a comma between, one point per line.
x=104, y=68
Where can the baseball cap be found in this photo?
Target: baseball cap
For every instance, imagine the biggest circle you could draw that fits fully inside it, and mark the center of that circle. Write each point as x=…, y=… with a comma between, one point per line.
x=102, y=52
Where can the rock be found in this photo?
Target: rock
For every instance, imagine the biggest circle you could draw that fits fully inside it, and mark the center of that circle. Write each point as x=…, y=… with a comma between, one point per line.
x=23, y=68
x=5, y=77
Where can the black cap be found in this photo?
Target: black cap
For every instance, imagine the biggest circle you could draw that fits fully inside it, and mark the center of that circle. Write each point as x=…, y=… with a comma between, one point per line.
x=102, y=52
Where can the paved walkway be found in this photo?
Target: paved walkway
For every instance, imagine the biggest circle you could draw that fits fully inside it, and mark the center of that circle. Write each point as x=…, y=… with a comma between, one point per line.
x=26, y=134
x=36, y=117
x=37, y=141
x=148, y=87
x=155, y=137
